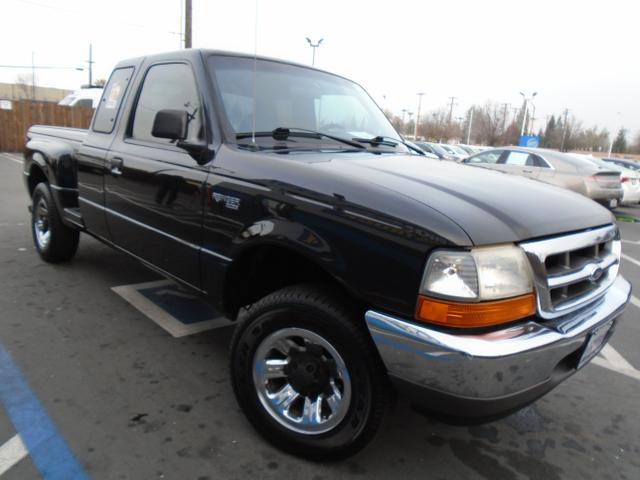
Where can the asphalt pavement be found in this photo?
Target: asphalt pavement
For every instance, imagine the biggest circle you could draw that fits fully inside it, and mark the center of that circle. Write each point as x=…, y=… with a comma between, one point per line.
x=96, y=384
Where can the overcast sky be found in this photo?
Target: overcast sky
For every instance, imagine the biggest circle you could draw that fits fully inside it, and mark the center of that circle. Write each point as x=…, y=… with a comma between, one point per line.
x=580, y=55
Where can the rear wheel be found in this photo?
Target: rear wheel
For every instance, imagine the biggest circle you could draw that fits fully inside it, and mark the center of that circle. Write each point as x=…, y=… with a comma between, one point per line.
x=54, y=241
x=307, y=375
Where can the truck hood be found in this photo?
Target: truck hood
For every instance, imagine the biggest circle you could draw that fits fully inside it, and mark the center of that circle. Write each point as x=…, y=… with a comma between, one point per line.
x=490, y=206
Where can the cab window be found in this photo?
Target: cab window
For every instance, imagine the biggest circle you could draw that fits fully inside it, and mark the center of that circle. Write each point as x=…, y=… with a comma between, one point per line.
x=168, y=86
x=105, y=117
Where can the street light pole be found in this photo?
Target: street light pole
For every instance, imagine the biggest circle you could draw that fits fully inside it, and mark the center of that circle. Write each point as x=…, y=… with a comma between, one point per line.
x=415, y=127
x=470, y=123
x=91, y=62
x=526, y=110
x=314, y=46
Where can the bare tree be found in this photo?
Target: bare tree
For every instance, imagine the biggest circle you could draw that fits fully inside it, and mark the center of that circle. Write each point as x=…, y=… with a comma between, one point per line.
x=24, y=86
x=487, y=121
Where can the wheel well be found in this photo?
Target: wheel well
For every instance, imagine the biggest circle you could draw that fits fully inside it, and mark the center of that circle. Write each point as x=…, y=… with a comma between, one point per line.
x=36, y=176
x=266, y=269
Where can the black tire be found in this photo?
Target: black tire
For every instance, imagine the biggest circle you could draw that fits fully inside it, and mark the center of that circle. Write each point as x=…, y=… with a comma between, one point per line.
x=325, y=314
x=62, y=242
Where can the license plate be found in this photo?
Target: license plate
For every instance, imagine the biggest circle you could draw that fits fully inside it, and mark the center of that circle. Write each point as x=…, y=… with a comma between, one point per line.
x=613, y=203
x=595, y=341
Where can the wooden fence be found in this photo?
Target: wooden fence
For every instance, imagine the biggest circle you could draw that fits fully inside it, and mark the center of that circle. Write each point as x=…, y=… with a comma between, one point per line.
x=14, y=123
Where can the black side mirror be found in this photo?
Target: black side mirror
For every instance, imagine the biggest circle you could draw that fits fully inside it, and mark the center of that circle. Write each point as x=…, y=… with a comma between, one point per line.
x=170, y=124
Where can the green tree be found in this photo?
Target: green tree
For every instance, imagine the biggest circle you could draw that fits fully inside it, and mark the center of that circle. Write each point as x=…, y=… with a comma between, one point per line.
x=550, y=132
x=620, y=143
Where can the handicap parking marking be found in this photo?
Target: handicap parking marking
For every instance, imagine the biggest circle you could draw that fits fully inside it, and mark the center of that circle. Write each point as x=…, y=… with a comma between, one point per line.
x=11, y=453
x=175, y=310
x=48, y=451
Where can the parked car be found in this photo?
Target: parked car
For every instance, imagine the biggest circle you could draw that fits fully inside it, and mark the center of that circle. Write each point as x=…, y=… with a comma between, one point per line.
x=353, y=267
x=419, y=145
x=630, y=164
x=436, y=150
x=468, y=149
x=564, y=170
x=83, y=97
x=458, y=155
x=630, y=180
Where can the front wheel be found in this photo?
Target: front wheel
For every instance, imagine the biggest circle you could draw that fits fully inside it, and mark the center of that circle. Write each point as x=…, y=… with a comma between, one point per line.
x=307, y=375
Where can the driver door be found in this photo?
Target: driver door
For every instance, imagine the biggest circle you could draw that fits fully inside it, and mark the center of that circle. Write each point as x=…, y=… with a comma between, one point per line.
x=154, y=191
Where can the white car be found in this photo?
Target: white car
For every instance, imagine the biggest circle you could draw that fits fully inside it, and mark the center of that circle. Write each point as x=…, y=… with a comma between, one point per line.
x=83, y=97
x=630, y=180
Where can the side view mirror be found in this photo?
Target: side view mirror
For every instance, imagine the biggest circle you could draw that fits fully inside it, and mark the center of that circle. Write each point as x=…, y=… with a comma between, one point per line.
x=170, y=124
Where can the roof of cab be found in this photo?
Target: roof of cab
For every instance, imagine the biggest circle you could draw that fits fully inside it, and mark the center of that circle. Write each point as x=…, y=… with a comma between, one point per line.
x=196, y=54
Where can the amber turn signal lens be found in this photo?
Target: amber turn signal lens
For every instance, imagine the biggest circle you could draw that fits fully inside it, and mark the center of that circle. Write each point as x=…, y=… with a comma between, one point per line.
x=474, y=315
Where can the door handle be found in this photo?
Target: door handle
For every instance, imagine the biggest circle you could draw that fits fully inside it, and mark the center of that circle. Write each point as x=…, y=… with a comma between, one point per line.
x=115, y=165
x=527, y=171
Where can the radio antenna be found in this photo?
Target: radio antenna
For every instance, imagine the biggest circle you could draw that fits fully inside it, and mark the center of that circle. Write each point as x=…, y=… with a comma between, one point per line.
x=255, y=62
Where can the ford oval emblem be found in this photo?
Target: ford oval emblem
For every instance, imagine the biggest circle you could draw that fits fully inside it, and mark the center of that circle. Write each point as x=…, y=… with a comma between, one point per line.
x=596, y=274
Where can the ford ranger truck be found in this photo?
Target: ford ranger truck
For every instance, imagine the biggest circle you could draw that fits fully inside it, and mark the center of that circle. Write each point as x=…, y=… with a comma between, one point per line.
x=354, y=266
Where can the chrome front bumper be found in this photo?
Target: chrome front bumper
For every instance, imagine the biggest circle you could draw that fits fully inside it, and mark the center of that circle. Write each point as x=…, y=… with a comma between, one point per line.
x=497, y=371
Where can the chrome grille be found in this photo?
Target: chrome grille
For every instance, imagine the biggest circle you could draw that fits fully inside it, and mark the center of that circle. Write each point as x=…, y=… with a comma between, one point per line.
x=573, y=270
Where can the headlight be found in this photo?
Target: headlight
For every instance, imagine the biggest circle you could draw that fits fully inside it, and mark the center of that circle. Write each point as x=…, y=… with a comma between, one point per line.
x=481, y=287
x=488, y=273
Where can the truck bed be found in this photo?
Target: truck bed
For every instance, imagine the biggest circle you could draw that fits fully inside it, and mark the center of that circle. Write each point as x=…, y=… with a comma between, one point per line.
x=75, y=135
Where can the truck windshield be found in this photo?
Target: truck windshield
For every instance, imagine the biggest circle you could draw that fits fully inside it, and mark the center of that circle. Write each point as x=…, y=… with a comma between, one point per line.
x=289, y=96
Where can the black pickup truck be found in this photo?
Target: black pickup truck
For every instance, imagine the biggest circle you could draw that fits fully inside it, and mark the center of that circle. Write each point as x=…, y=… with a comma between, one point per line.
x=354, y=266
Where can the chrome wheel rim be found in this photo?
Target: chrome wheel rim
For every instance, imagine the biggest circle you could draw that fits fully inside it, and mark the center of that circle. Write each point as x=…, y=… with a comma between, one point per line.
x=302, y=381
x=41, y=224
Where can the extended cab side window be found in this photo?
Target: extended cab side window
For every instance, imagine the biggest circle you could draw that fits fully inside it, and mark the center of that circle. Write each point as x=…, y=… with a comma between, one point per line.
x=168, y=86
x=105, y=117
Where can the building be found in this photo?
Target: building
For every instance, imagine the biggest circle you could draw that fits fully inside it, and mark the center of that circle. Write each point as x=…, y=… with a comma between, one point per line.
x=20, y=91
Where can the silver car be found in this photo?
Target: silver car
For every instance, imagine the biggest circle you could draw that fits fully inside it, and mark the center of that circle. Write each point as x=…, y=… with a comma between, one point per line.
x=564, y=170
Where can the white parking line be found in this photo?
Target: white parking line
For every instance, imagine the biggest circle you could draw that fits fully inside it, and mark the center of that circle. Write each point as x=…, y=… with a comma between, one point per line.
x=11, y=453
x=11, y=158
x=611, y=359
x=632, y=242
x=630, y=259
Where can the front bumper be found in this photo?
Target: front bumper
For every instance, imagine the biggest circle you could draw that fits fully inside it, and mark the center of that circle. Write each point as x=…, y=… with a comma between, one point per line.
x=495, y=373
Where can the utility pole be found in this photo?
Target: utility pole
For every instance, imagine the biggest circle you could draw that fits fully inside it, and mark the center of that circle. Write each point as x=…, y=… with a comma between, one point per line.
x=90, y=62
x=453, y=99
x=33, y=76
x=187, y=24
x=504, y=116
x=415, y=127
x=564, y=129
x=404, y=112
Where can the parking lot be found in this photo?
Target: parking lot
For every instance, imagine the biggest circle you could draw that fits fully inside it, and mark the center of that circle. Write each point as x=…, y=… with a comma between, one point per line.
x=91, y=386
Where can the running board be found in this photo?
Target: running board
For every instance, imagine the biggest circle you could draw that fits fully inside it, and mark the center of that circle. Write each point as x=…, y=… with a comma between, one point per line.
x=73, y=216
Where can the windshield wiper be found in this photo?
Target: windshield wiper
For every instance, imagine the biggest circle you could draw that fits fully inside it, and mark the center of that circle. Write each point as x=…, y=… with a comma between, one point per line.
x=283, y=133
x=388, y=142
